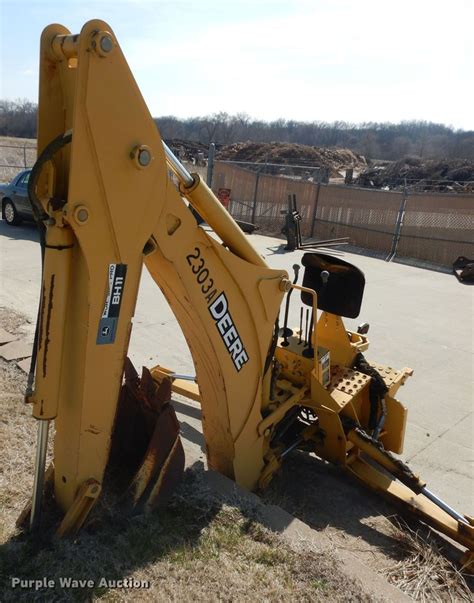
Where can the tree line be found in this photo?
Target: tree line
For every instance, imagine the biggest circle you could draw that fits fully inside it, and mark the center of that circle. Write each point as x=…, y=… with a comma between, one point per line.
x=373, y=140
x=18, y=118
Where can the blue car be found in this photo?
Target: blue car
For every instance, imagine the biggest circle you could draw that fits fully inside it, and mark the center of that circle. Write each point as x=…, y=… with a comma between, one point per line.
x=14, y=198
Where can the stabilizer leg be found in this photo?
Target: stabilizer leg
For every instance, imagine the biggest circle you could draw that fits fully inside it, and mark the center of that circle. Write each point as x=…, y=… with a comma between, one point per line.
x=407, y=489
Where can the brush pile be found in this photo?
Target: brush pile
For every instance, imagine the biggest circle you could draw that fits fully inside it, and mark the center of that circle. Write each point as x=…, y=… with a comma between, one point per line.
x=455, y=175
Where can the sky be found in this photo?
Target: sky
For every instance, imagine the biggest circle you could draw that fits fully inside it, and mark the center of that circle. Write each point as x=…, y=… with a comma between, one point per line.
x=308, y=60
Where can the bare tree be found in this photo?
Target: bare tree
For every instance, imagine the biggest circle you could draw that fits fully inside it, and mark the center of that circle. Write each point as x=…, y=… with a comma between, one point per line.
x=372, y=139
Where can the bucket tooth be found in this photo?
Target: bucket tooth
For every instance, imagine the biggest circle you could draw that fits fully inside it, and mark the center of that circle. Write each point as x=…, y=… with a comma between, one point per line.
x=162, y=466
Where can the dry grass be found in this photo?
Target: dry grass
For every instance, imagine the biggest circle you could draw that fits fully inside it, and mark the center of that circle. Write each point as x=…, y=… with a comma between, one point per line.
x=198, y=549
x=423, y=572
x=16, y=429
x=15, y=156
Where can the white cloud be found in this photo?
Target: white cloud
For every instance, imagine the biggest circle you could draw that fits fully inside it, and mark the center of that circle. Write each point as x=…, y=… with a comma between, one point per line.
x=340, y=60
x=303, y=59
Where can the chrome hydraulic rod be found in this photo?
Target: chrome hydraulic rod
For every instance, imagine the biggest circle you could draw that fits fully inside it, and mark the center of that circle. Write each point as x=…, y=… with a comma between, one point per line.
x=206, y=203
x=183, y=377
x=449, y=510
x=291, y=447
x=40, y=464
x=177, y=167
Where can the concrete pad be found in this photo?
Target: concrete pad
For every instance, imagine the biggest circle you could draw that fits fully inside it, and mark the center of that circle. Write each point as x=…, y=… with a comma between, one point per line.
x=462, y=432
x=6, y=337
x=447, y=470
x=189, y=417
x=419, y=439
x=430, y=416
x=20, y=268
x=16, y=350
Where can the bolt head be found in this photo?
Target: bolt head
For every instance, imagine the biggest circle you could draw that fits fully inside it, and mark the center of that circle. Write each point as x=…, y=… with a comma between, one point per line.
x=82, y=215
x=106, y=43
x=325, y=276
x=144, y=157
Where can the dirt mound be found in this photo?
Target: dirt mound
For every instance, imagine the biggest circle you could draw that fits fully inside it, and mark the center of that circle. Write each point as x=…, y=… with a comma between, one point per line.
x=336, y=161
x=446, y=175
x=295, y=154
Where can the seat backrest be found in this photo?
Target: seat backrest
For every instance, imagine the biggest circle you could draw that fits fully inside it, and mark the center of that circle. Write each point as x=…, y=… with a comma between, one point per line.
x=343, y=292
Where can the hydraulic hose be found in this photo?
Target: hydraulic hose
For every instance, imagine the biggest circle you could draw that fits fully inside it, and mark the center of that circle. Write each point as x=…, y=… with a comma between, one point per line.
x=40, y=215
x=377, y=392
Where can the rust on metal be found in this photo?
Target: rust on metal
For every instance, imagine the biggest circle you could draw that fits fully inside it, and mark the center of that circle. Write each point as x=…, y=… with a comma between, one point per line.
x=48, y=324
x=41, y=322
x=163, y=447
x=168, y=478
x=146, y=440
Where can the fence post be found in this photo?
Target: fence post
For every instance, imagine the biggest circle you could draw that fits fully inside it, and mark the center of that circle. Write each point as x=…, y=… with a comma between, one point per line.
x=24, y=154
x=398, y=225
x=315, y=209
x=254, y=208
x=210, y=164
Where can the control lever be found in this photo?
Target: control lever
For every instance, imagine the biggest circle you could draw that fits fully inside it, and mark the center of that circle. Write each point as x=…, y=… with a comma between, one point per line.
x=287, y=332
x=363, y=329
x=309, y=352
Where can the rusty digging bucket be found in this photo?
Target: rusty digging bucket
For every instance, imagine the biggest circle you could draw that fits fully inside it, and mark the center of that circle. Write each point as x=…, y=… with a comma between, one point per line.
x=147, y=455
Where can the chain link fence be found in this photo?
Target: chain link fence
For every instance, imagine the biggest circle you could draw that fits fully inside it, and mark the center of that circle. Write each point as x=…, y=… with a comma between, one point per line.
x=430, y=227
x=15, y=157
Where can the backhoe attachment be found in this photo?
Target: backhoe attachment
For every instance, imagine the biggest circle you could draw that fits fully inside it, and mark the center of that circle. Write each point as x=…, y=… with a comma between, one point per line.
x=106, y=205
